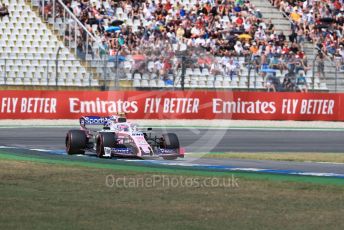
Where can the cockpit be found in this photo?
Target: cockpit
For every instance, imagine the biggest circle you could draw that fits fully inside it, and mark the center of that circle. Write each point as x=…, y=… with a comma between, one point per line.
x=123, y=127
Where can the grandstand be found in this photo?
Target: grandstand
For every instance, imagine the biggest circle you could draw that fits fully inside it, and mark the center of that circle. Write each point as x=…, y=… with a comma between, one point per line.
x=88, y=56
x=28, y=51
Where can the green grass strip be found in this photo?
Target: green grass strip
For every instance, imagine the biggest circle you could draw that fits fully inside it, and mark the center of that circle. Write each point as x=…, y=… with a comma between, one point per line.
x=124, y=166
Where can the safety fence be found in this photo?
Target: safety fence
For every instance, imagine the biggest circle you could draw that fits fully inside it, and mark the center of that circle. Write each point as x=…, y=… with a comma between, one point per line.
x=165, y=65
x=44, y=72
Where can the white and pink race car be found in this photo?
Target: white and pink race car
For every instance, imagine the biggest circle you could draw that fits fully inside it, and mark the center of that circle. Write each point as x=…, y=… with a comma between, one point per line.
x=118, y=137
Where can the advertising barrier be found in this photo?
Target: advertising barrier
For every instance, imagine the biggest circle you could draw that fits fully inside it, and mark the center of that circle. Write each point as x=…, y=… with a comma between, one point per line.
x=172, y=105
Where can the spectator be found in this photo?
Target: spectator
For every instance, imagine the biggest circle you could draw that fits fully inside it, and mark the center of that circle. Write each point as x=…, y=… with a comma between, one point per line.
x=275, y=63
x=288, y=84
x=321, y=66
x=162, y=28
x=215, y=68
x=272, y=82
x=320, y=22
x=4, y=11
x=338, y=59
x=301, y=82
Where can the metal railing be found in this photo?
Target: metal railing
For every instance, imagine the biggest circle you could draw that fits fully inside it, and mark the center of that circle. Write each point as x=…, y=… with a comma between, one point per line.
x=74, y=34
x=43, y=72
x=328, y=70
x=110, y=71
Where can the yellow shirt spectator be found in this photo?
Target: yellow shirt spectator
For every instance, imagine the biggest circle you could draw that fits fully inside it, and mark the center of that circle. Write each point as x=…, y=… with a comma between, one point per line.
x=295, y=16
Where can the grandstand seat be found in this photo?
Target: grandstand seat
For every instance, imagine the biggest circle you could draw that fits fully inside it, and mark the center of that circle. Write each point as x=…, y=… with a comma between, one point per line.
x=211, y=78
x=193, y=84
x=242, y=84
x=52, y=81
x=86, y=82
x=69, y=82
x=94, y=82
x=201, y=84
x=161, y=84
x=219, y=78
x=323, y=86
x=316, y=86
x=153, y=76
x=202, y=78
x=136, y=83
x=77, y=81
x=186, y=84
x=205, y=72
x=144, y=83
x=35, y=81
x=145, y=76
x=10, y=81
x=210, y=84
x=153, y=84
x=235, y=78
x=26, y=39
x=218, y=84
x=197, y=72
x=188, y=72
x=226, y=84
x=259, y=85
x=234, y=84
x=309, y=80
x=137, y=76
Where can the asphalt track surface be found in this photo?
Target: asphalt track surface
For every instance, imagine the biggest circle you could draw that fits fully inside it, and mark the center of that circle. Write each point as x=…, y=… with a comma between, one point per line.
x=212, y=140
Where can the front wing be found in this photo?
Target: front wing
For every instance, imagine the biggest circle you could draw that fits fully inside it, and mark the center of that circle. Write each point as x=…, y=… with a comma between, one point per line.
x=130, y=151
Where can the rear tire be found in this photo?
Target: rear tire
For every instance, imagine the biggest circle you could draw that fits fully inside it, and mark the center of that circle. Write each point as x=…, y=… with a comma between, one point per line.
x=170, y=141
x=105, y=140
x=76, y=142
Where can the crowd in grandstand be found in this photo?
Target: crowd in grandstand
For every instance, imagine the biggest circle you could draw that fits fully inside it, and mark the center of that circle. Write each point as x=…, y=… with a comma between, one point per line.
x=223, y=28
x=320, y=22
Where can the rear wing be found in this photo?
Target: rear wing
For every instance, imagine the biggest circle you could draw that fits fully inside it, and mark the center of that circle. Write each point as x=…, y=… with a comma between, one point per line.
x=97, y=120
x=93, y=120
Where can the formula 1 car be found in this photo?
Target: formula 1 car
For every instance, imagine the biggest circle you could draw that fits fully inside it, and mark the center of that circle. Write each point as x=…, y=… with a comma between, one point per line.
x=117, y=137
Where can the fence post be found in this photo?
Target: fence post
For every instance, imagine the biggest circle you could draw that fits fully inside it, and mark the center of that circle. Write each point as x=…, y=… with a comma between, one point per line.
x=86, y=47
x=182, y=82
x=57, y=64
x=116, y=66
x=43, y=5
x=64, y=26
x=75, y=37
x=313, y=68
x=69, y=32
x=54, y=13
x=47, y=71
x=249, y=72
x=5, y=79
x=336, y=76
x=104, y=70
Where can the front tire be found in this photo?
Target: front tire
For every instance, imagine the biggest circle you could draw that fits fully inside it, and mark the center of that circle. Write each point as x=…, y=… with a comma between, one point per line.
x=76, y=142
x=105, y=140
x=170, y=141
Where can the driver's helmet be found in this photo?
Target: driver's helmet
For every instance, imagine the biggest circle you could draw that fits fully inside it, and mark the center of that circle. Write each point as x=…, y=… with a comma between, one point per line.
x=123, y=127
